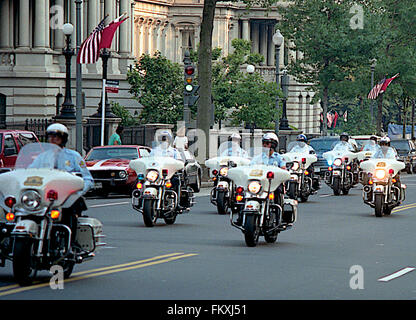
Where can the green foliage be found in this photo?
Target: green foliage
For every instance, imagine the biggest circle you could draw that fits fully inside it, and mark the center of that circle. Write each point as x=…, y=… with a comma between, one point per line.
x=157, y=84
x=250, y=94
x=120, y=111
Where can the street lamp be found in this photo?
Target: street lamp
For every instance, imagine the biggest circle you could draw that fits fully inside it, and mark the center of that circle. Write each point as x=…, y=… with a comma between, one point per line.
x=277, y=40
x=250, y=70
x=68, y=110
x=373, y=66
x=284, y=123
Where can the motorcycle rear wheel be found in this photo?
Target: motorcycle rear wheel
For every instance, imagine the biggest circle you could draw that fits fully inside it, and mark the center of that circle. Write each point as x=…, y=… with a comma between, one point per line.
x=23, y=270
x=291, y=192
x=379, y=204
x=149, y=214
x=222, y=203
x=252, y=231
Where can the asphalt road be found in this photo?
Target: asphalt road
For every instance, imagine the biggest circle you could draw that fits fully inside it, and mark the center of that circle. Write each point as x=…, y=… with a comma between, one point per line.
x=334, y=242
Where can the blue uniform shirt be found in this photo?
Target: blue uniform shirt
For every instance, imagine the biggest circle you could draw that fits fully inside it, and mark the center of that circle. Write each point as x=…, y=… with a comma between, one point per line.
x=67, y=160
x=165, y=152
x=274, y=160
x=236, y=152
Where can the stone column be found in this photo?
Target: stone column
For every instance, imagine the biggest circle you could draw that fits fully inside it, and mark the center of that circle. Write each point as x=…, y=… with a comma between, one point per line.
x=270, y=47
x=108, y=9
x=59, y=41
x=24, y=25
x=263, y=42
x=131, y=40
x=4, y=24
x=246, y=30
x=73, y=20
x=124, y=29
x=282, y=54
x=141, y=37
x=178, y=41
x=91, y=25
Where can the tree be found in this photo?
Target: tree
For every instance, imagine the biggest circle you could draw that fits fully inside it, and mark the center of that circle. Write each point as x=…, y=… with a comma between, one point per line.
x=157, y=84
x=332, y=50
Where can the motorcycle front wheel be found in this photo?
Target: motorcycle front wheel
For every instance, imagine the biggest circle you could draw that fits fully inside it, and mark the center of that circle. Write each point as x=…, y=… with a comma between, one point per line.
x=252, y=231
x=291, y=192
x=337, y=186
x=222, y=203
x=379, y=204
x=23, y=269
x=149, y=214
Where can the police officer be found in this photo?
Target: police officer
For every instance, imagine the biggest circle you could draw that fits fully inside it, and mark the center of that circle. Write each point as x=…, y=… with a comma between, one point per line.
x=234, y=149
x=70, y=161
x=303, y=138
x=385, y=151
x=269, y=156
x=164, y=148
x=372, y=144
x=344, y=138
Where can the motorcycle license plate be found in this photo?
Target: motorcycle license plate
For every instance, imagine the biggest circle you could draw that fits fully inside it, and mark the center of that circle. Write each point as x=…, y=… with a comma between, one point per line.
x=98, y=185
x=337, y=173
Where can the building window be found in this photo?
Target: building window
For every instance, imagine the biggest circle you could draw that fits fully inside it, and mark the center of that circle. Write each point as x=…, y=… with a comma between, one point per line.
x=188, y=41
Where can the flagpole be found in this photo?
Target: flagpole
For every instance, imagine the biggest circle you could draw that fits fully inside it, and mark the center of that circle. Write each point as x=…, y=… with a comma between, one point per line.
x=103, y=113
x=78, y=111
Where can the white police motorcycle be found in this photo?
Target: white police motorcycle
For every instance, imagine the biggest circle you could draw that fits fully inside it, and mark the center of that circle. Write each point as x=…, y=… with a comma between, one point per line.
x=383, y=190
x=341, y=168
x=162, y=191
x=229, y=155
x=299, y=161
x=260, y=213
x=32, y=235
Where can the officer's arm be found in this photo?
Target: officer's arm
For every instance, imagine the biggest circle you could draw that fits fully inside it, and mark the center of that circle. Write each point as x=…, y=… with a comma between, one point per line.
x=81, y=167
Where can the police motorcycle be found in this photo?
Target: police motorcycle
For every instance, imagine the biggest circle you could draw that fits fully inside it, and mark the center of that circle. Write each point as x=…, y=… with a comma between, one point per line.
x=342, y=167
x=229, y=155
x=162, y=189
x=383, y=190
x=260, y=212
x=298, y=161
x=32, y=234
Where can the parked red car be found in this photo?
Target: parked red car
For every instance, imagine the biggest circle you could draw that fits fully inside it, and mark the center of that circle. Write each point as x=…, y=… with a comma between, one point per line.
x=11, y=141
x=109, y=166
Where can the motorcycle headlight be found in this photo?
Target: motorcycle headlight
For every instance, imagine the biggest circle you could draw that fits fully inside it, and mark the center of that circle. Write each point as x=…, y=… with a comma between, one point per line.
x=254, y=187
x=31, y=199
x=337, y=162
x=380, y=174
x=224, y=171
x=152, y=175
x=122, y=174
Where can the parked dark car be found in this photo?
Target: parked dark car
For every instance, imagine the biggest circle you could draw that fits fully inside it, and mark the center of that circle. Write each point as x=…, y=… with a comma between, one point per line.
x=109, y=166
x=322, y=145
x=11, y=141
x=406, y=151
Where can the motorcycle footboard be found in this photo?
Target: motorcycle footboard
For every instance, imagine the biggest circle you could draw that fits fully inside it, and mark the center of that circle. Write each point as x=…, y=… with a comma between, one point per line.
x=89, y=233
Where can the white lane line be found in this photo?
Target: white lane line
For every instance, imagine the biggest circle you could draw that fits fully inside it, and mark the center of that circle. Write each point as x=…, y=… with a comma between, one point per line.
x=325, y=195
x=396, y=274
x=109, y=204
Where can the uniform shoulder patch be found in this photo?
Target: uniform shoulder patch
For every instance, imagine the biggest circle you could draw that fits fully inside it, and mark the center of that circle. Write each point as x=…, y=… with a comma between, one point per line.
x=82, y=163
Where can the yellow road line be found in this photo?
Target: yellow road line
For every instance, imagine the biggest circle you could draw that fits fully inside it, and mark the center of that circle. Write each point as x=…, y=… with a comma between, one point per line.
x=101, y=271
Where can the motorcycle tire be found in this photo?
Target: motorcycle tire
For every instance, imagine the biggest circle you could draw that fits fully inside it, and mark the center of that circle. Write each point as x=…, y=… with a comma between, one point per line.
x=170, y=220
x=149, y=214
x=252, y=231
x=345, y=191
x=271, y=237
x=387, y=211
x=23, y=270
x=337, y=186
x=197, y=186
x=291, y=192
x=222, y=203
x=379, y=204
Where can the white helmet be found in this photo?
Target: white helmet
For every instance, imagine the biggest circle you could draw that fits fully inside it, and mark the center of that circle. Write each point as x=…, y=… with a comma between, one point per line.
x=58, y=129
x=385, y=141
x=234, y=136
x=271, y=137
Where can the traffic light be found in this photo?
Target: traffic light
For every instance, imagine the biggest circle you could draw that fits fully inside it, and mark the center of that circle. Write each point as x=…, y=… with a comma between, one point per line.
x=191, y=89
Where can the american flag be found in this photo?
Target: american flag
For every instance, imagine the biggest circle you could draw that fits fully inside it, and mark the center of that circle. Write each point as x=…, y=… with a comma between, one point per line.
x=90, y=48
x=381, y=87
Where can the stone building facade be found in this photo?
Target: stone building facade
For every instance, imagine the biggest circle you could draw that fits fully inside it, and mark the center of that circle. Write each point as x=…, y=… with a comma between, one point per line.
x=32, y=67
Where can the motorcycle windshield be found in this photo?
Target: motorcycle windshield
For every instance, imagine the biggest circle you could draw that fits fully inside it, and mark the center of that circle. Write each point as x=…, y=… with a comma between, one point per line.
x=231, y=149
x=341, y=146
x=384, y=153
x=39, y=155
x=164, y=149
x=298, y=147
x=371, y=145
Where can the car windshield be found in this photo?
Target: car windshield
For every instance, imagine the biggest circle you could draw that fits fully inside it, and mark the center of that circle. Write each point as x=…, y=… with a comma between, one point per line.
x=361, y=142
x=322, y=145
x=400, y=145
x=113, y=153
